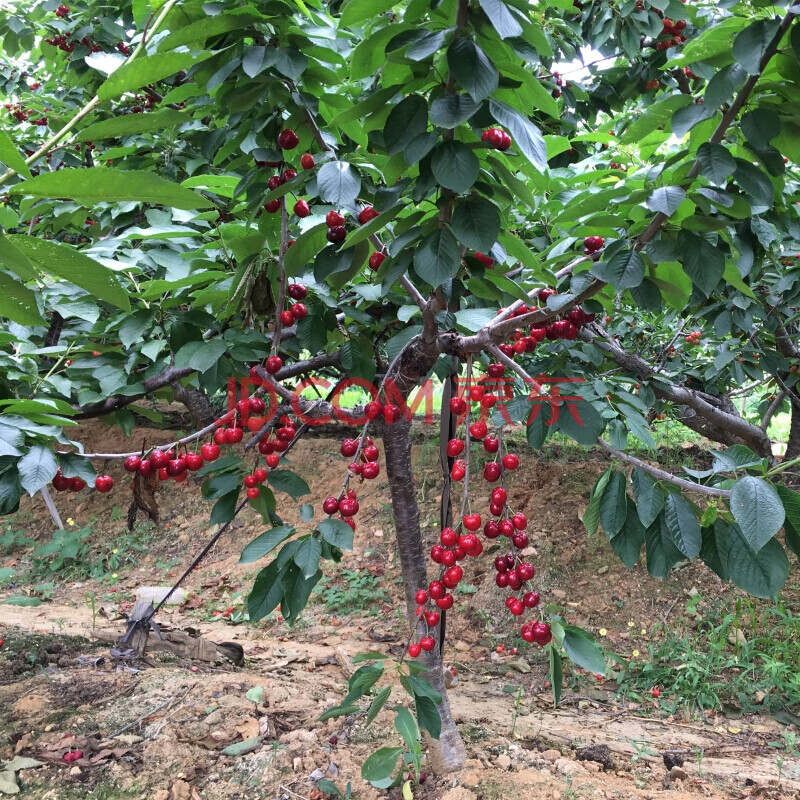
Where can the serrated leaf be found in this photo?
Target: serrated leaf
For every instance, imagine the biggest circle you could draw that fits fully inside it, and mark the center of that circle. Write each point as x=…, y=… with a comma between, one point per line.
x=380, y=764
x=287, y=481
x=501, y=18
x=649, y=498
x=37, y=468
x=476, y=223
x=265, y=543
x=666, y=199
x=455, y=166
x=90, y=185
x=525, y=136
x=751, y=44
x=473, y=70
x=591, y=516
x=613, y=505
x=339, y=183
x=682, y=525
x=146, y=70
x=130, y=124
x=307, y=556
x=451, y=110
x=377, y=704
x=761, y=573
x=10, y=156
x=758, y=509
x=337, y=533
x=716, y=163
x=437, y=257
x=583, y=650
x=625, y=270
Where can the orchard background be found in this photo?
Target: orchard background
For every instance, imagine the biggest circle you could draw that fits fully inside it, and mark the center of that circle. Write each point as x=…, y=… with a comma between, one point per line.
x=556, y=246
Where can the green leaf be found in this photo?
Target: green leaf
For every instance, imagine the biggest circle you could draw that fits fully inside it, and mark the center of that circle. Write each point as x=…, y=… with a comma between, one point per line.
x=751, y=44
x=209, y=26
x=72, y=265
x=244, y=747
x=682, y=525
x=662, y=554
x=716, y=163
x=201, y=356
x=10, y=156
x=265, y=544
x=428, y=715
x=758, y=509
x=476, y=223
x=702, y=262
x=306, y=246
x=339, y=183
x=686, y=118
x=591, y=517
x=524, y=134
x=291, y=62
x=649, y=498
x=90, y=185
x=583, y=650
x=556, y=674
x=18, y=303
x=614, y=505
x=437, y=258
x=339, y=711
x=455, y=166
x=588, y=425
x=406, y=726
x=666, y=199
x=337, y=533
x=761, y=573
x=37, y=468
x=380, y=764
x=266, y=593
x=501, y=18
x=377, y=704
x=755, y=183
x=654, y=117
x=255, y=694
x=356, y=11
x=408, y=119
x=22, y=600
x=625, y=270
x=722, y=86
x=146, y=70
x=473, y=70
x=307, y=556
x=452, y=109
x=130, y=124
x=627, y=544
x=286, y=481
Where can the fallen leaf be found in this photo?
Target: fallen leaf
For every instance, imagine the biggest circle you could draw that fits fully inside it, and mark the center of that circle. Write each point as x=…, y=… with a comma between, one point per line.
x=243, y=748
x=249, y=729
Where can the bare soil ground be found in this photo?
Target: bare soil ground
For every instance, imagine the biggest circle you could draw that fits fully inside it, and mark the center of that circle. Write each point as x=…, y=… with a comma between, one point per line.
x=60, y=690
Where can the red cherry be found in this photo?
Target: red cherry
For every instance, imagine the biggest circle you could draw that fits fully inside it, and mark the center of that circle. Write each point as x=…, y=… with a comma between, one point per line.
x=250, y=481
x=273, y=460
x=330, y=505
x=458, y=471
x=506, y=527
x=287, y=318
x=288, y=139
x=491, y=444
x=60, y=483
x=146, y=467
x=455, y=447
x=376, y=259
x=348, y=507
x=273, y=364
x=469, y=543
x=367, y=213
x=370, y=452
x=432, y=618
x=541, y=633
x=526, y=571
x=520, y=540
x=274, y=182
x=491, y=472
x=427, y=643
x=478, y=429
x=495, y=370
x=336, y=235
x=414, y=649
x=307, y=161
x=288, y=175
x=373, y=409
x=511, y=461
x=299, y=311
x=421, y=597
x=348, y=448
x=297, y=291
x=260, y=474
x=233, y=435
x=437, y=551
x=520, y=521
x=163, y=475
x=209, y=452
x=160, y=458
x=487, y=261
x=491, y=530
x=472, y=522
x=445, y=602
x=194, y=461
x=656, y=692
x=476, y=393
x=301, y=209
x=391, y=413
x=333, y=219
x=272, y=206
x=131, y=463
x=77, y=484
x=499, y=495
x=458, y=405
x=255, y=405
x=447, y=558
x=531, y=599
x=253, y=492
x=178, y=465
x=448, y=537
x=436, y=590
x=104, y=483
x=370, y=470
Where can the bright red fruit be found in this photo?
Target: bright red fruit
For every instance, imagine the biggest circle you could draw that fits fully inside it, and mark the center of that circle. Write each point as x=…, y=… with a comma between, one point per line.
x=478, y=429
x=299, y=311
x=194, y=461
x=297, y=291
x=160, y=458
x=233, y=435
x=421, y=597
x=491, y=472
x=487, y=261
x=302, y=209
x=333, y=219
x=427, y=643
x=288, y=139
x=376, y=259
x=307, y=161
x=391, y=413
x=178, y=465
x=366, y=214
x=131, y=463
x=414, y=649
x=272, y=206
x=499, y=495
x=273, y=364
x=455, y=447
x=348, y=448
x=496, y=370
x=458, y=405
x=104, y=483
x=511, y=461
x=370, y=470
x=472, y=521
x=432, y=618
x=336, y=234
x=520, y=521
x=209, y=452
x=458, y=471
x=253, y=492
x=373, y=409
x=287, y=318
x=272, y=460
x=436, y=590
x=531, y=599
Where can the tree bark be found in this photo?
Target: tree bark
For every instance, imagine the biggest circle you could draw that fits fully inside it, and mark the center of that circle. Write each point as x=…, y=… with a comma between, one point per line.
x=793, y=444
x=447, y=753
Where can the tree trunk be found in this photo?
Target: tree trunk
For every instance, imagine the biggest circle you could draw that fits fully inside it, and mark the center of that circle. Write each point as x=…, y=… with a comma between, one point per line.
x=447, y=753
x=196, y=402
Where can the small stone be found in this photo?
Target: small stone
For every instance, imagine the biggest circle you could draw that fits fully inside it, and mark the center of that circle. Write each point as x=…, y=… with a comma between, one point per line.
x=760, y=696
x=602, y=570
x=567, y=766
x=503, y=761
x=75, y=771
x=552, y=755
x=678, y=774
x=559, y=594
x=297, y=764
x=129, y=738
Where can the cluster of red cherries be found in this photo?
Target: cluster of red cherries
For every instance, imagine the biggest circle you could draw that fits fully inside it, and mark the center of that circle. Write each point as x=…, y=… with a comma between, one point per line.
x=455, y=544
x=592, y=245
x=297, y=310
x=61, y=483
x=62, y=11
x=673, y=30
x=497, y=138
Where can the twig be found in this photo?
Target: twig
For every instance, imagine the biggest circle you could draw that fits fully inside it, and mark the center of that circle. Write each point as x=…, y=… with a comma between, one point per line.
x=139, y=719
x=773, y=407
x=294, y=794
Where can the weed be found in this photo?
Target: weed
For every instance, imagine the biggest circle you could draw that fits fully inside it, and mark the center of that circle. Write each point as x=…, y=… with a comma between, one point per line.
x=352, y=591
